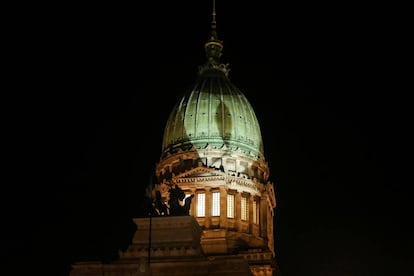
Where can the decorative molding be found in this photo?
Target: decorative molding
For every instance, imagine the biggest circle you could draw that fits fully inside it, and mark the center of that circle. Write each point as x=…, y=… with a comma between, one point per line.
x=195, y=172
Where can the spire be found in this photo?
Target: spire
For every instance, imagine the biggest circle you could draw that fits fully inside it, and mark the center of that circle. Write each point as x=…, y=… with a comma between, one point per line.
x=214, y=23
x=213, y=48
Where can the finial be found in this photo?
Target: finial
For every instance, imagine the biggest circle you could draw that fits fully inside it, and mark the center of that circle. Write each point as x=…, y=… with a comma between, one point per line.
x=213, y=22
x=213, y=48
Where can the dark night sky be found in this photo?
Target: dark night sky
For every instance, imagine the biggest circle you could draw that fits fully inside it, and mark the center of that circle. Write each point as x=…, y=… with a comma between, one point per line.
x=92, y=88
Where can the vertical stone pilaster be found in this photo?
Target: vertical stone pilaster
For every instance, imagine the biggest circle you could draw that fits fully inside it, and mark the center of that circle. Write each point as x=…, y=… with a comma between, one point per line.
x=237, y=208
x=223, y=206
x=250, y=206
x=263, y=215
x=193, y=207
x=270, y=229
x=208, y=207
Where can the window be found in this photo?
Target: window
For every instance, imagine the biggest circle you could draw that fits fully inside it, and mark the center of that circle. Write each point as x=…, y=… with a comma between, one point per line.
x=243, y=167
x=256, y=211
x=201, y=203
x=231, y=165
x=216, y=162
x=230, y=206
x=244, y=208
x=215, y=208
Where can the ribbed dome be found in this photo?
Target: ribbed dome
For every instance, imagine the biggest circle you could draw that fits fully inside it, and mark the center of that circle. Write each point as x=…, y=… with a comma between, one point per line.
x=213, y=112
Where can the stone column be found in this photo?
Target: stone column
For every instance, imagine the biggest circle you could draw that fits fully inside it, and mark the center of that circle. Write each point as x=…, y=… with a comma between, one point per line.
x=208, y=207
x=250, y=211
x=193, y=207
x=263, y=215
x=237, y=208
x=223, y=206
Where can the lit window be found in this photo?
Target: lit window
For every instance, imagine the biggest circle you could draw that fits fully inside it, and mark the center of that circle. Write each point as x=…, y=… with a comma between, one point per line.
x=244, y=208
x=215, y=211
x=256, y=212
x=201, y=203
x=230, y=206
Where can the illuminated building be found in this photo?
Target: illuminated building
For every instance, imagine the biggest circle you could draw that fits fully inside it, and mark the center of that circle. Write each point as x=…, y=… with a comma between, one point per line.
x=212, y=148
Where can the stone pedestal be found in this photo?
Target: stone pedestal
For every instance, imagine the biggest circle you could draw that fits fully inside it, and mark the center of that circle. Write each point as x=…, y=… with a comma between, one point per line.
x=175, y=249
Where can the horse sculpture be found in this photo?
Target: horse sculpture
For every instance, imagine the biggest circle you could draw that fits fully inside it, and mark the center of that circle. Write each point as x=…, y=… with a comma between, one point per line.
x=178, y=203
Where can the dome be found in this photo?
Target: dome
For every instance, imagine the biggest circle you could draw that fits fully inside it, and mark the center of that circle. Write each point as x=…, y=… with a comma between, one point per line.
x=215, y=113
x=212, y=150
x=213, y=125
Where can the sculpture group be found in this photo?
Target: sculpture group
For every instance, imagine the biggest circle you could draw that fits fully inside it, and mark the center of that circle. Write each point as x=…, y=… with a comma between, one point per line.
x=177, y=205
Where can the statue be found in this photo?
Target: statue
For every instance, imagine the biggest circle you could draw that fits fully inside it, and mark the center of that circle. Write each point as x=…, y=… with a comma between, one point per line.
x=178, y=203
x=160, y=208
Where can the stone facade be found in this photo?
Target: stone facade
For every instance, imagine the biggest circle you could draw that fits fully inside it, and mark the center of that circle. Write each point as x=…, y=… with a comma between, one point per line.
x=175, y=249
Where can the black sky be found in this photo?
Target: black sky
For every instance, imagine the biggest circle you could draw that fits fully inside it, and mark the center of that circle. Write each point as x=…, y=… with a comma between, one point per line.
x=91, y=90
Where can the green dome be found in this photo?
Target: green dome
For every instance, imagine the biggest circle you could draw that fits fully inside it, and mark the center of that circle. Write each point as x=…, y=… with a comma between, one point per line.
x=214, y=112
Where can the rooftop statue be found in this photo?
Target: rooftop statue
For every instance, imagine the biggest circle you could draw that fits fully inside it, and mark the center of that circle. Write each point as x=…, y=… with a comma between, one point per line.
x=178, y=204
